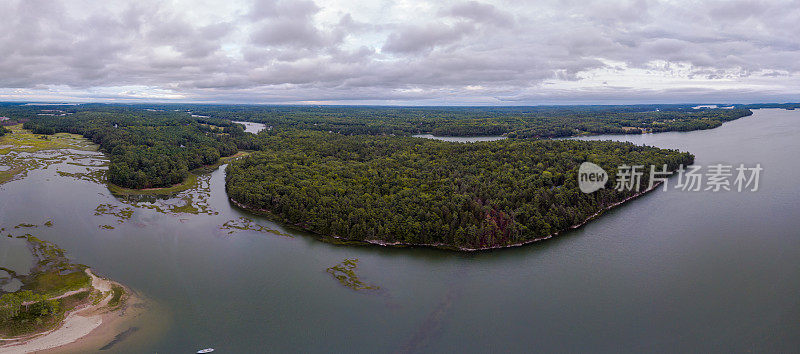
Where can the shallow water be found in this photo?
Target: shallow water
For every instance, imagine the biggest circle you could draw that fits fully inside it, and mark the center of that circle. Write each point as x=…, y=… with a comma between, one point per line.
x=670, y=271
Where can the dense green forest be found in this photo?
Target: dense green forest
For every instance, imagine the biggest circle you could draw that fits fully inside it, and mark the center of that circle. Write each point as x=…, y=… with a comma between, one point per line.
x=157, y=145
x=522, y=122
x=353, y=172
x=146, y=148
x=419, y=191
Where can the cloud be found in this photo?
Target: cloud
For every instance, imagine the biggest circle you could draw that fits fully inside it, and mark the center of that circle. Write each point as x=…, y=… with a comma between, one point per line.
x=416, y=38
x=449, y=52
x=480, y=12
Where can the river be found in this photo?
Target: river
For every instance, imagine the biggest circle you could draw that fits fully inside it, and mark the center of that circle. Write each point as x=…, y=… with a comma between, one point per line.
x=670, y=271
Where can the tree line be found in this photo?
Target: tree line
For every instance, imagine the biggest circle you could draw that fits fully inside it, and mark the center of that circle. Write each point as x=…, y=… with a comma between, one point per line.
x=522, y=122
x=420, y=191
x=147, y=149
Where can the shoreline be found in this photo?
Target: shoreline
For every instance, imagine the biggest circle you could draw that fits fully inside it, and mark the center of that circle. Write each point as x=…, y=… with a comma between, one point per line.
x=443, y=246
x=188, y=183
x=86, y=328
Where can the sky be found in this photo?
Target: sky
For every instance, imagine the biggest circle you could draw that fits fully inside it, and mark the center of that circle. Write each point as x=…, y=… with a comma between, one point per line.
x=400, y=52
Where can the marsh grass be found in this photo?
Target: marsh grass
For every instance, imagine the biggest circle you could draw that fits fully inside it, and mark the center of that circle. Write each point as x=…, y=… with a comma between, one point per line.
x=345, y=273
x=247, y=224
x=19, y=149
x=35, y=307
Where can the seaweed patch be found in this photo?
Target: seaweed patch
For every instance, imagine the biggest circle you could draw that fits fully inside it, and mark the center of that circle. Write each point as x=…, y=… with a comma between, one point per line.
x=243, y=223
x=345, y=273
x=121, y=214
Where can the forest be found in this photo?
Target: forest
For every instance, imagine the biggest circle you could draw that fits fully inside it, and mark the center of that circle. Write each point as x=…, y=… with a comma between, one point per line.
x=154, y=146
x=522, y=122
x=356, y=174
x=147, y=149
x=419, y=191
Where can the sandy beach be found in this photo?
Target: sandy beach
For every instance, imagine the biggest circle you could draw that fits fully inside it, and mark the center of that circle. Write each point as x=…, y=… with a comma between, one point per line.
x=87, y=328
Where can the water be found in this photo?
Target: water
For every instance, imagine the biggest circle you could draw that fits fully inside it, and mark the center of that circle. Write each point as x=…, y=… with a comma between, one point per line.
x=251, y=127
x=671, y=271
x=460, y=139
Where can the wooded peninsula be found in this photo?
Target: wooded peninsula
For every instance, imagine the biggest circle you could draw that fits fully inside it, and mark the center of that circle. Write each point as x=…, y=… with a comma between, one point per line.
x=355, y=173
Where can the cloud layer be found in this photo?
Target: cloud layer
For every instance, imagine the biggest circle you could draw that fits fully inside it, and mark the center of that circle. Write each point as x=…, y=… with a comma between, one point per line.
x=400, y=52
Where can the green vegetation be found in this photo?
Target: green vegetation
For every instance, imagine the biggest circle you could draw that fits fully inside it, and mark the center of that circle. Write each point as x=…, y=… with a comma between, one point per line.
x=147, y=149
x=244, y=223
x=96, y=175
x=352, y=173
x=521, y=122
x=188, y=183
x=120, y=213
x=117, y=292
x=193, y=200
x=42, y=151
x=54, y=273
x=40, y=303
x=397, y=190
x=159, y=146
x=345, y=273
x=25, y=225
x=25, y=312
x=23, y=140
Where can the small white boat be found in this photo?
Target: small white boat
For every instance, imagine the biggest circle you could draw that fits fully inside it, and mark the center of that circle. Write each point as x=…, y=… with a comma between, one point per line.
x=207, y=350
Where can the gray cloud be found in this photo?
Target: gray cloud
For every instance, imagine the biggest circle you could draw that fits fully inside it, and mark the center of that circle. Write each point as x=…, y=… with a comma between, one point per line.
x=416, y=38
x=416, y=52
x=480, y=12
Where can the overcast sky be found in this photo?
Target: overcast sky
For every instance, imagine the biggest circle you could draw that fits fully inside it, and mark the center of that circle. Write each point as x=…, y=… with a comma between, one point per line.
x=400, y=52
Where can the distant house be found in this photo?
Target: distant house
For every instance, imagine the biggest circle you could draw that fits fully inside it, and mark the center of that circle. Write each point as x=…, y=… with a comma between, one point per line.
x=2, y=119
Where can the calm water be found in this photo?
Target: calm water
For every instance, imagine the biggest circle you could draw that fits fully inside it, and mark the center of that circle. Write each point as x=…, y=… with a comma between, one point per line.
x=460, y=139
x=670, y=271
x=251, y=127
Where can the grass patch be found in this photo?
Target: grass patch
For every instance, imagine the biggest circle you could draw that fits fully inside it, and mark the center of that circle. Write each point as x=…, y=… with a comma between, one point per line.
x=53, y=283
x=345, y=273
x=116, y=296
x=189, y=183
x=192, y=201
x=96, y=175
x=121, y=214
x=35, y=307
x=243, y=223
x=23, y=141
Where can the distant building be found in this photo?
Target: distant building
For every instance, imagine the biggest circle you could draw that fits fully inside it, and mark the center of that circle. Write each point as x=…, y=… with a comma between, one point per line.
x=4, y=119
